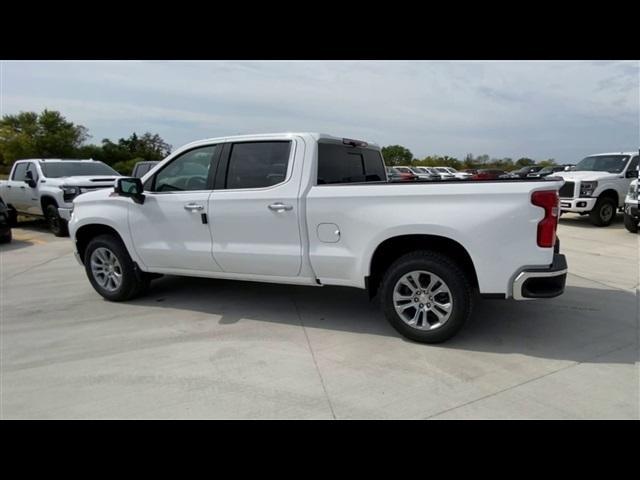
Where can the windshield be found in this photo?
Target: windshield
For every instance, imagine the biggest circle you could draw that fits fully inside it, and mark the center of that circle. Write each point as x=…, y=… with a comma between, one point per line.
x=70, y=169
x=602, y=163
x=403, y=170
x=451, y=170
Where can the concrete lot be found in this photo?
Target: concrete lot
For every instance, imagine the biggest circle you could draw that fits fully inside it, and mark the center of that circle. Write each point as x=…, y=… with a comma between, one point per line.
x=197, y=348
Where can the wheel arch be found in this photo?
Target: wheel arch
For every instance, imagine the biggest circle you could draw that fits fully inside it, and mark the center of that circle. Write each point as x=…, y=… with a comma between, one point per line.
x=86, y=233
x=394, y=247
x=46, y=200
x=611, y=193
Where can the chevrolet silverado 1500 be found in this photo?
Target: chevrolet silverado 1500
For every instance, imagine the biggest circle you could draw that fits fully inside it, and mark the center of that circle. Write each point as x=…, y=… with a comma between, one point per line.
x=312, y=209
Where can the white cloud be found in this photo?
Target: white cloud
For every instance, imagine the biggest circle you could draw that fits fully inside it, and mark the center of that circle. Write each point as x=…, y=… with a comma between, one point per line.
x=539, y=109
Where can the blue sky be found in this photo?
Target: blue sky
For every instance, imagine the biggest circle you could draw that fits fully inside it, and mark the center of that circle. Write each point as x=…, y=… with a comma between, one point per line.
x=562, y=110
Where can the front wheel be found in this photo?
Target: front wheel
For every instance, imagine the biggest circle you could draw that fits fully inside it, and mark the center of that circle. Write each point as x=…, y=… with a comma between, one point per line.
x=12, y=217
x=6, y=237
x=603, y=212
x=426, y=297
x=111, y=271
x=630, y=223
x=56, y=224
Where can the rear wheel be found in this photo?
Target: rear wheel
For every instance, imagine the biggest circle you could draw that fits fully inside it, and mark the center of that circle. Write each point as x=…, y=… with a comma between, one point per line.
x=630, y=223
x=426, y=297
x=56, y=224
x=111, y=271
x=603, y=212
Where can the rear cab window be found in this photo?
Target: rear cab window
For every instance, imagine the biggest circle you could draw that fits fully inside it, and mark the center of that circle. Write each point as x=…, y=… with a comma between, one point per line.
x=339, y=164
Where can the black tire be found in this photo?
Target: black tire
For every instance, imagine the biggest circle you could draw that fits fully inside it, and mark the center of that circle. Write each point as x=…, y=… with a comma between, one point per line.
x=451, y=275
x=630, y=223
x=599, y=216
x=6, y=237
x=133, y=283
x=12, y=217
x=56, y=224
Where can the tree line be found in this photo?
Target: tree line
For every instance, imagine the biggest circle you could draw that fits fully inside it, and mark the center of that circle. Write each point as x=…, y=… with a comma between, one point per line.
x=50, y=135
x=395, y=155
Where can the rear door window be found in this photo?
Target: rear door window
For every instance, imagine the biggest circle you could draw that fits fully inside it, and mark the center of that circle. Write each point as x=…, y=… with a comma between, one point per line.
x=258, y=164
x=344, y=164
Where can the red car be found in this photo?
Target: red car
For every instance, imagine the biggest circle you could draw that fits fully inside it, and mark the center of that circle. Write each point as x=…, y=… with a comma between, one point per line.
x=489, y=174
x=401, y=174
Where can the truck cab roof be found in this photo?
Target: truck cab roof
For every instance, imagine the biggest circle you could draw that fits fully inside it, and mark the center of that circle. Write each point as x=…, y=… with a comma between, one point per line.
x=47, y=160
x=317, y=136
x=612, y=153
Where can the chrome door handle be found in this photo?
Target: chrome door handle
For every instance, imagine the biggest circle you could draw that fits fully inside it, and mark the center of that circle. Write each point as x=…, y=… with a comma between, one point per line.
x=280, y=207
x=192, y=207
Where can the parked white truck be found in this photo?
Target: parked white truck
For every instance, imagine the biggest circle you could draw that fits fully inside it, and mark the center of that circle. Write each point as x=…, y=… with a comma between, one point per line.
x=598, y=185
x=47, y=187
x=312, y=209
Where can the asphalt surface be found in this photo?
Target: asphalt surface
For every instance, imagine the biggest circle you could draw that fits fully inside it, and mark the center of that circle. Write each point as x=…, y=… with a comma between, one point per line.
x=198, y=348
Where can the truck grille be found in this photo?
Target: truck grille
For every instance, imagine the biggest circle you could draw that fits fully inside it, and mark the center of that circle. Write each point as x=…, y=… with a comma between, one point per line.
x=567, y=190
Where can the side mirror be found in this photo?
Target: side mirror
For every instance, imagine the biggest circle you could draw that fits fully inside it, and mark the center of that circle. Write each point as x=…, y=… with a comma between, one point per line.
x=29, y=180
x=130, y=187
x=632, y=173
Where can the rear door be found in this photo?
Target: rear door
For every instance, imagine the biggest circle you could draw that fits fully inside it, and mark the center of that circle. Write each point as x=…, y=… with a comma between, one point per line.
x=254, y=208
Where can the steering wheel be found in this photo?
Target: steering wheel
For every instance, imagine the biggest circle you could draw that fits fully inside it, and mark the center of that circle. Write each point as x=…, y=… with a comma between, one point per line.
x=197, y=183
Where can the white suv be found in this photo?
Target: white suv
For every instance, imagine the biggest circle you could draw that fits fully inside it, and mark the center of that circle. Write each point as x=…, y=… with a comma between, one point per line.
x=598, y=185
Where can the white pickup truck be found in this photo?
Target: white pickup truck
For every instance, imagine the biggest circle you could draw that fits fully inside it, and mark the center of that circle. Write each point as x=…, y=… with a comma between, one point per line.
x=597, y=185
x=312, y=209
x=47, y=187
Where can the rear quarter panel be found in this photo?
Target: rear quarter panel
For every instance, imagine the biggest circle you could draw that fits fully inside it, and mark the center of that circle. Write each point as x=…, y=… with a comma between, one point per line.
x=494, y=221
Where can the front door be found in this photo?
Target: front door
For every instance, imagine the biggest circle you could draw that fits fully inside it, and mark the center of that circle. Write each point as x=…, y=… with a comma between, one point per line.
x=170, y=229
x=254, y=209
x=31, y=193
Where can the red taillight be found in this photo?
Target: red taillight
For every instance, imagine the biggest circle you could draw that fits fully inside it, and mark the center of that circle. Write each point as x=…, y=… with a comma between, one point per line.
x=547, y=199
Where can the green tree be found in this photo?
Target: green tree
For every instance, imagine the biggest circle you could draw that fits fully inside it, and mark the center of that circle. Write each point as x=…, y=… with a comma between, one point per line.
x=146, y=147
x=126, y=167
x=44, y=135
x=524, y=162
x=550, y=162
x=396, y=155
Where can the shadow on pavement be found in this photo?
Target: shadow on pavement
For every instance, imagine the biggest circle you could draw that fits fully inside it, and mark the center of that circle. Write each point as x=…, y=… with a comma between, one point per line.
x=33, y=224
x=14, y=245
x=579, y=326
x=582, y=221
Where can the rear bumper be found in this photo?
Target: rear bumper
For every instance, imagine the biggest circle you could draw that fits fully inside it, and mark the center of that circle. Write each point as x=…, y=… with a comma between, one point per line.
x=541, y=282
x=577, y=205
